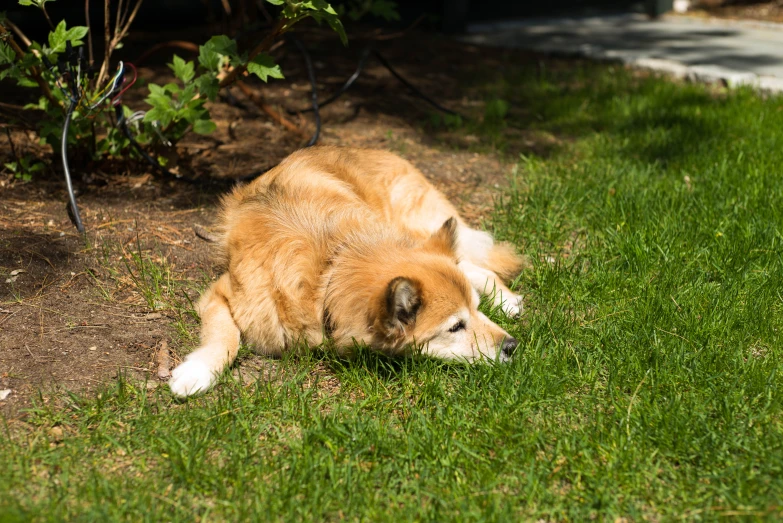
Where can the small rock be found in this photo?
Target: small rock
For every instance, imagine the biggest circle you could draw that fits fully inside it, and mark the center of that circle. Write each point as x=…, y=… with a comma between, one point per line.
x=56, y=433
x=4, y=394
x=153, y=316
x=94, y=347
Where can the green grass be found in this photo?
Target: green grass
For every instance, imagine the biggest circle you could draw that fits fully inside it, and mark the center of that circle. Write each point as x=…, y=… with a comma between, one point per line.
x=647, y=383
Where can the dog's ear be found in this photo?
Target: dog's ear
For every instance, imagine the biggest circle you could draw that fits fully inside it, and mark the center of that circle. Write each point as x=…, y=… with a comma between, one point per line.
x=403, y=299
x=444, y=240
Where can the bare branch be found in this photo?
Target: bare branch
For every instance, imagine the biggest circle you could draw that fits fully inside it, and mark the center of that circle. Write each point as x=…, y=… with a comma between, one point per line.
x=89, y=30
x=118, y=16
x=43, y=10
x=226, y=7
x=106, y=43
x=121, y=28
x=257, y=99
x=13, y=27
x=129, y=20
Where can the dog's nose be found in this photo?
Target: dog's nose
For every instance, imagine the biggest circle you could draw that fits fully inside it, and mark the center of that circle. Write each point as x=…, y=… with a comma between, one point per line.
x=509, y=346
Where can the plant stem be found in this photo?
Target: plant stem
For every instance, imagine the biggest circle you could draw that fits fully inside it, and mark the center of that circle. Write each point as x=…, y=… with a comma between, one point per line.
x=122, y=25
x=13, y=27
x=106, y=43
x=279, y=28
x=43, y=10
x=11, y=143
x=89, y=30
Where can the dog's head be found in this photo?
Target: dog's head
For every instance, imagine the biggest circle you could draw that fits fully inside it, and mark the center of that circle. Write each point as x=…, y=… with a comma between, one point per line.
x=430, y=304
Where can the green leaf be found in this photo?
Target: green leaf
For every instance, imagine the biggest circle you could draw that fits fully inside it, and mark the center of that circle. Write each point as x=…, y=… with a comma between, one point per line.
x=264, y=66
x=210, y=54
x=337, y=26
x=204, y=126
x=333, y=20
x=23, y=81
x=495, y=110
x=61, y=35
x=159, y=114
x=7, y=55
x=183, y=70
x=27, y=2
x=57, y=38
x=319, y=5
x=208, y=85
x=385, y=9
x=276, y=2
x=75, y=34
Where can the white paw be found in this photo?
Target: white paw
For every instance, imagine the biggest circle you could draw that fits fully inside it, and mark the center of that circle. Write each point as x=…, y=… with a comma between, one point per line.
x=191, y=377
x=512, y=305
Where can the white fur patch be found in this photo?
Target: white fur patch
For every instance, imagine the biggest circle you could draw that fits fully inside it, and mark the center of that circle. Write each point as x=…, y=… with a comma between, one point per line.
x=191, y=377
x=473, y=245
x=511, y=305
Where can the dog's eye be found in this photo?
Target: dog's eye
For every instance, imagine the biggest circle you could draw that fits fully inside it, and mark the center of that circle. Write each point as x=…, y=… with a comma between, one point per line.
x=460, y=325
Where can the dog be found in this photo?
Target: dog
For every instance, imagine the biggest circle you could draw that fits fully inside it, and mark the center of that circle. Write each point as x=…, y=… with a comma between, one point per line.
x=353, y=246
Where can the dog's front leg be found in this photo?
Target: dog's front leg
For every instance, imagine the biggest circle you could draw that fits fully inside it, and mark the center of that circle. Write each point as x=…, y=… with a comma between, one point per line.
x=488, y=283
x=220, y=339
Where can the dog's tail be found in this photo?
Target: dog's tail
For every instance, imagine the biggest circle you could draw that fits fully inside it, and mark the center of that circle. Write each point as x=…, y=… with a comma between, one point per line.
x=220, y=339
x=504, y=261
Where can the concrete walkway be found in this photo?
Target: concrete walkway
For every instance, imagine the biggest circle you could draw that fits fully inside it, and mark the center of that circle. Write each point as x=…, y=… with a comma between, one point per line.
x=735, y=53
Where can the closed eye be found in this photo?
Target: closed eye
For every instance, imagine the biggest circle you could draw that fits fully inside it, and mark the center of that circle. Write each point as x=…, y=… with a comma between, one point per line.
x=460, y=325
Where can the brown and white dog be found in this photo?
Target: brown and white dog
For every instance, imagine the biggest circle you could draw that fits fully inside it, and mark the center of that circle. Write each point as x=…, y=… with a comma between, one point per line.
x=353, y=245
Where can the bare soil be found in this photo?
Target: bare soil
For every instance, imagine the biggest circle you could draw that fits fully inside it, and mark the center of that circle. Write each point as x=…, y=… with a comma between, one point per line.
x=72, y=317
x=765, y=10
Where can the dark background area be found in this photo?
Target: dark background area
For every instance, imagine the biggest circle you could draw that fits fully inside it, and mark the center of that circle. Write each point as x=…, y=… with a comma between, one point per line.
x=449, y=15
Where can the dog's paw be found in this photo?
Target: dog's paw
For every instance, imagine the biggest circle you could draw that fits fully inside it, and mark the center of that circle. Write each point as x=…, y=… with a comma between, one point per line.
x=191, y=377
x=512, y=305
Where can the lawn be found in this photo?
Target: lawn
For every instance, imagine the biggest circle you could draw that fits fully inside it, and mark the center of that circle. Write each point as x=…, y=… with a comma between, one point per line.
x=647, y=384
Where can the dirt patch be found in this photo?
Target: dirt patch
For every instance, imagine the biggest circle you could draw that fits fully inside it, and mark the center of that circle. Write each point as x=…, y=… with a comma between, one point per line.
x=766, y=11
x=73, y=314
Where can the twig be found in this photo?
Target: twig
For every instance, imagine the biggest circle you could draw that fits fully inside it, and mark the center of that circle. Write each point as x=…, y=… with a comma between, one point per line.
x=43, y=10
x=205, y=235
x=8, y=317
x=164, y=361
x=278, y=29
x=122, y=22
x=12, y=107
x=117, y=17
x=18, y=32
x=16, y=109
x=226, y=7
x=179, y=44
x=106, y=41
x=30, y=352
x=262, y=8
x=89, y=30
x=11, y=143
x=399, y=34
x=269, y=110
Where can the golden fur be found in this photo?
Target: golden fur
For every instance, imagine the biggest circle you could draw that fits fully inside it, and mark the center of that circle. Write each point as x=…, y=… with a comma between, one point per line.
x=355, y=245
